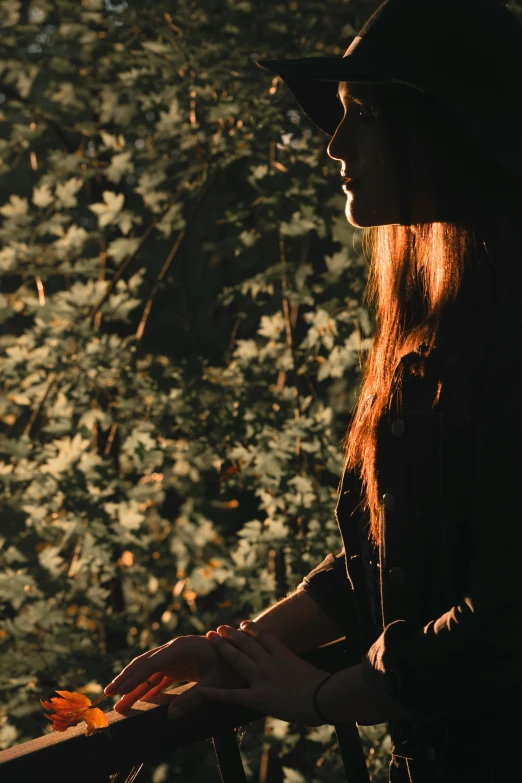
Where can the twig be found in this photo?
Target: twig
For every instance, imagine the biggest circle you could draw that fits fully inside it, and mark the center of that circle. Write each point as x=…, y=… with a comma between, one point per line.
x=177, y=244
x=36, y=411
x=234, y=332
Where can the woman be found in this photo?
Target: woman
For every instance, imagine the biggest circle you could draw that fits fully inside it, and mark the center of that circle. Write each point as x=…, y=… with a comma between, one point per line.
x=427, y=127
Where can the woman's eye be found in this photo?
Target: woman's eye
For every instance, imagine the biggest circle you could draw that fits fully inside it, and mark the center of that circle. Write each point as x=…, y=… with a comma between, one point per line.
x=364, y=113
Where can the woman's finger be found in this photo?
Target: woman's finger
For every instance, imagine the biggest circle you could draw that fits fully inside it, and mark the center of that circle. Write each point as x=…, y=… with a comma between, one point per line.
x=127, y=673
x=140, y=669
x=143, y=691
x=164, y=683
x=130, y=698
x=186, y=701
x=241, y=662
x=268, y=641
x=245, y=642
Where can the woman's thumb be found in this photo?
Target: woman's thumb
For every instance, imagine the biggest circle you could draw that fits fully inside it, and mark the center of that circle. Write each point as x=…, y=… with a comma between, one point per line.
x=185, y=702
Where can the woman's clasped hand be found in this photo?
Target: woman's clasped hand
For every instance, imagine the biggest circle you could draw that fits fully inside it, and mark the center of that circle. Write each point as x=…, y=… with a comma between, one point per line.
x=245, y=667
x=183, y=659
x=280, y=683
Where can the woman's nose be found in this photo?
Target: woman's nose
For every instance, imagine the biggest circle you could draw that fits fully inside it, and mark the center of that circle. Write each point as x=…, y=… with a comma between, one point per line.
x=330, y=152
x=342, y=146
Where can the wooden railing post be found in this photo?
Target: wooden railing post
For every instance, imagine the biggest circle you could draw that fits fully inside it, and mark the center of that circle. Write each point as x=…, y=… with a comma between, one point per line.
x=352, y=754
x=228, y=756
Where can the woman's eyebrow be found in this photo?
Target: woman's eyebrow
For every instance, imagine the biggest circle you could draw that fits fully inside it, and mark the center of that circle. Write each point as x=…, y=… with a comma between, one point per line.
x=350, y=96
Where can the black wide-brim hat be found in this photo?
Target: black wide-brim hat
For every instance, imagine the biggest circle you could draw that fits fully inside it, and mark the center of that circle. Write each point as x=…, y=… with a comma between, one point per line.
x=465, y=53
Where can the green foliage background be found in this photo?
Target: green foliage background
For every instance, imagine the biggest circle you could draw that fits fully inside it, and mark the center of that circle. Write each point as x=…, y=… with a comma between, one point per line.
x=182, y=320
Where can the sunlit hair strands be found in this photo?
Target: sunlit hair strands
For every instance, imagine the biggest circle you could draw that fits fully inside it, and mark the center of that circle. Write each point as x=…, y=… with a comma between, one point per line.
x=435, y=282
x=432, y=283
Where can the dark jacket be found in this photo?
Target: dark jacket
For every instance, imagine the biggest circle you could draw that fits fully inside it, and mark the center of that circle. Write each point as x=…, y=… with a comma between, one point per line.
x=449, y=643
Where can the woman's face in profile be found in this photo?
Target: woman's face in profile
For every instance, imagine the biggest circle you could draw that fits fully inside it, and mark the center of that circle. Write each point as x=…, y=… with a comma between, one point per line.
x=361, y=144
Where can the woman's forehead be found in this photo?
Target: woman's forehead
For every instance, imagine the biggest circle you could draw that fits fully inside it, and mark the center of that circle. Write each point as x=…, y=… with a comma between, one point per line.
x=357, y=89
x=356, y=92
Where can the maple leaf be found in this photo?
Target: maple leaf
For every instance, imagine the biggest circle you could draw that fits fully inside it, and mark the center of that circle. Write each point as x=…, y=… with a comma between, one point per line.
x=72, y=708
x=95, y=719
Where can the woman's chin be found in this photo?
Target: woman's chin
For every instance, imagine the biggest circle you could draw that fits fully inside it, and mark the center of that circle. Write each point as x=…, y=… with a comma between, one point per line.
x=357, y=212
x=359, y=217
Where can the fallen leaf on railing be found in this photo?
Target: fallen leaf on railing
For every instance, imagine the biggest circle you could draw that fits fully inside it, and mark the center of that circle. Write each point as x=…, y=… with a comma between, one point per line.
x=72, y=708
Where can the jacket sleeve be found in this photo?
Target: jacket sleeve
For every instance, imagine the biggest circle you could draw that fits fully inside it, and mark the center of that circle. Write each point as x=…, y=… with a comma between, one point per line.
x=329, y=585
x=469, y=660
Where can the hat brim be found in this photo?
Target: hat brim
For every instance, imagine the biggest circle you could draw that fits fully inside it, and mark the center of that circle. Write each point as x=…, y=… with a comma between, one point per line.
x=332, y=69
x=313, y=81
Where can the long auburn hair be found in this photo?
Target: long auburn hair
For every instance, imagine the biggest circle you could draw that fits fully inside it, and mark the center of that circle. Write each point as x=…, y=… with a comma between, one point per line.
x=431, y=283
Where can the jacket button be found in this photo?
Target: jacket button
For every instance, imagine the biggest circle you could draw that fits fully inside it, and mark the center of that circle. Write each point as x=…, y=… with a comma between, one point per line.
x=398, y=428
x=397, y=576
x=388, y=500
x=430, y=754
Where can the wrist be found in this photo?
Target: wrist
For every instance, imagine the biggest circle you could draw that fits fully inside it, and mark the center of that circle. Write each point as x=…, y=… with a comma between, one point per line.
x=349, y=696
x=315, y=700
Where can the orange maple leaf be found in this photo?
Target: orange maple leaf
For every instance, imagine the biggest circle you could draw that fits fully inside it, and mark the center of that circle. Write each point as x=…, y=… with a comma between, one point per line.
x=73, y=708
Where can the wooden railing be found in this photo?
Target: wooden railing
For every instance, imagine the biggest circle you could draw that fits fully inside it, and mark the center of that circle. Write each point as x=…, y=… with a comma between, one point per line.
x=145, y=733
